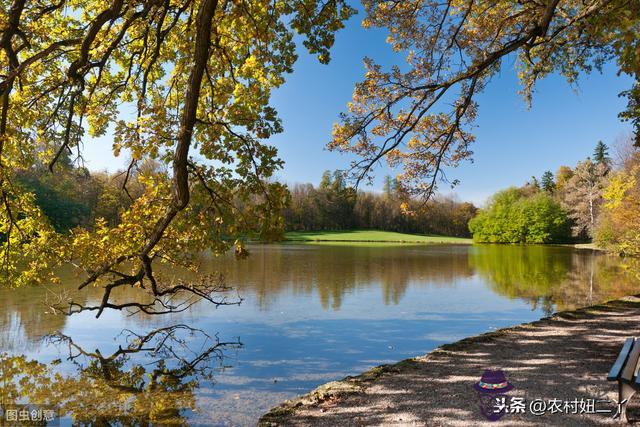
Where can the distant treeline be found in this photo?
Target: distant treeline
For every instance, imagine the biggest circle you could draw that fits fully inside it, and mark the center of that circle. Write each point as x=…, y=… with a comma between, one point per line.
x=598, y=199
x=334, y=205
x=75, y=196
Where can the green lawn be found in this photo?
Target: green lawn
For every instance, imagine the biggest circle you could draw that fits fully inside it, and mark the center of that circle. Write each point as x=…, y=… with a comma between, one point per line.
x=373, y=236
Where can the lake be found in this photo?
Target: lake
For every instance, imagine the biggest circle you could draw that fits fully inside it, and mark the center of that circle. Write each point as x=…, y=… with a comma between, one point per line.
x=309, y=314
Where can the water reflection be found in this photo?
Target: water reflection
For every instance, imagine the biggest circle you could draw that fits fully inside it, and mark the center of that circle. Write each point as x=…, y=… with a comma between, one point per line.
x=553, y=278
x=24, y=319
x=311, y=314
x=149, y=379
x=334, y=271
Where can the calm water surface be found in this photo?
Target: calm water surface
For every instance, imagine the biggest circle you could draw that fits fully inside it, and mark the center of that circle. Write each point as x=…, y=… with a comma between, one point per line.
x=310, y=314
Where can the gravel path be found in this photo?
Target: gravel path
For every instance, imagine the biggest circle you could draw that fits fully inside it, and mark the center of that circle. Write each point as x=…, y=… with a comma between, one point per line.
x=564, y=357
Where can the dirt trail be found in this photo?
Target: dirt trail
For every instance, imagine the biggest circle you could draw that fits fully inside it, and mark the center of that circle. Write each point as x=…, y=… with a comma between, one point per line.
x=565, y=357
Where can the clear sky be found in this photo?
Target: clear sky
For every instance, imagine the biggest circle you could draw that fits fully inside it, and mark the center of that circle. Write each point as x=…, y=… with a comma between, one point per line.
x=513, y=142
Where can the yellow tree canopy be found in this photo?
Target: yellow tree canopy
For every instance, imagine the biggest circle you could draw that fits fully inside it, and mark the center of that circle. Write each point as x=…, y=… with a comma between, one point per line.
x=184, y=82
x=419, y=117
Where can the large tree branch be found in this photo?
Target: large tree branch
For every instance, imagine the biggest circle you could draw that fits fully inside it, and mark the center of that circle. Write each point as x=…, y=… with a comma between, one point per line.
x=428, y=94
x=180, y=200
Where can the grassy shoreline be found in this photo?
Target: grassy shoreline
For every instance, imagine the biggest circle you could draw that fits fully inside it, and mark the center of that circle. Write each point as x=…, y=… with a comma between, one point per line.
x=365, y=237
x=369, y=236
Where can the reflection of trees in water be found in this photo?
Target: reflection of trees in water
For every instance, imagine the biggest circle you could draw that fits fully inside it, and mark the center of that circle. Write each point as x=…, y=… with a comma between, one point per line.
x=546, y=276
x=26, y=314
x=527, y=272
x=24, y=318
x=118, y=388
x=596, y=278
x=333, y=271
x=553, y=276
x=271, y=270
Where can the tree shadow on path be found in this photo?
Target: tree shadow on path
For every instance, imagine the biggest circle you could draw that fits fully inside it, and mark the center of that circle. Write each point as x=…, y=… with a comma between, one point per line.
x=564, y=357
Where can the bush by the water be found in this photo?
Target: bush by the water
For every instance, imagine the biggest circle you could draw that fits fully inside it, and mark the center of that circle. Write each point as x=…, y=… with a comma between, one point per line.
x=513, y=216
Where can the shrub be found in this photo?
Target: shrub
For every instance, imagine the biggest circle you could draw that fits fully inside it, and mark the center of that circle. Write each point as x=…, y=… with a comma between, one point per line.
x=512, y=217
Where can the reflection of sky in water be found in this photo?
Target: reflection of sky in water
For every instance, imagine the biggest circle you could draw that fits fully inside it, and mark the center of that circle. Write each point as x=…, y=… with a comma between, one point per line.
x=296, y=342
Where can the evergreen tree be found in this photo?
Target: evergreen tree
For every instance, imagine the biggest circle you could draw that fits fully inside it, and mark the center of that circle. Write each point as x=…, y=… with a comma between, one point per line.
x=389, y=187
x=338, y=183
x=601, y=153
x=548, y=184
x=326, y=181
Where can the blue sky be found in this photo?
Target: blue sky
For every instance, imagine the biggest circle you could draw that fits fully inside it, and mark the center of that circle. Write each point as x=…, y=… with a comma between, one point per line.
x=512, y=142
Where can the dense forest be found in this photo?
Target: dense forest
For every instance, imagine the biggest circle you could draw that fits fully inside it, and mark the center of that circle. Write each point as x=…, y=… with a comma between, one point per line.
x=76, y=197
x=598, y=199
x=334, y=205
